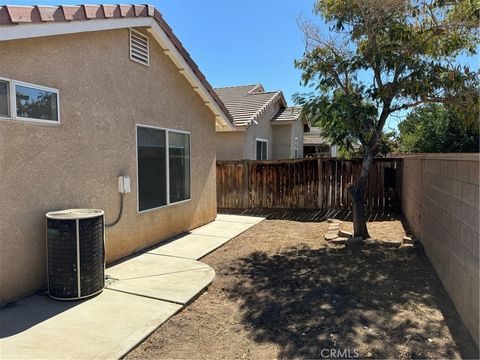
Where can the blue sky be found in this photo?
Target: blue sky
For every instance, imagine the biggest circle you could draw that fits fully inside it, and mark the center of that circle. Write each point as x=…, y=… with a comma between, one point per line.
x=242, y=42
x=237, y=42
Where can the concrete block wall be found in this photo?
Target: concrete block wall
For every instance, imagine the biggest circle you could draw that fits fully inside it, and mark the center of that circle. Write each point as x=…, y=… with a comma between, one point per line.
x=440, y=202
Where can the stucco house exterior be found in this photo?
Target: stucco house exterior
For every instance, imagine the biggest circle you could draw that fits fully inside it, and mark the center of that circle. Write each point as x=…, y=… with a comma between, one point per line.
x=87, y=94
x=265, y=127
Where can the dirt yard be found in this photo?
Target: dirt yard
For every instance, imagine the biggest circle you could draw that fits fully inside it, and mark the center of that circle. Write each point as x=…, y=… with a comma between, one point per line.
x=282, y=291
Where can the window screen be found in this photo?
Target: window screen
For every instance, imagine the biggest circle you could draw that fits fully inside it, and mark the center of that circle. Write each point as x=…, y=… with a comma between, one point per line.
x=179, y=166
x=152, y=169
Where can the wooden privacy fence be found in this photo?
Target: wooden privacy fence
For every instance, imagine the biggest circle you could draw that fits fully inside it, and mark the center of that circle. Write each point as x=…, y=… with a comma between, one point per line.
x=320, y=183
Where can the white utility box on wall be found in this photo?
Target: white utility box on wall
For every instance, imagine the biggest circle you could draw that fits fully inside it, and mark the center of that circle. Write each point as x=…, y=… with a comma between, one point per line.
x=124, y=184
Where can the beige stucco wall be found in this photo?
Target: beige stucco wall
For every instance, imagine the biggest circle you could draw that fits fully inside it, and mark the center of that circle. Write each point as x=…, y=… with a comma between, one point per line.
x=230, y=145
x=440, y=201
x=282, y=144
x=103, y=94
x=262, y=130
x=241, y=145
x=284, y=140
x=297, y=131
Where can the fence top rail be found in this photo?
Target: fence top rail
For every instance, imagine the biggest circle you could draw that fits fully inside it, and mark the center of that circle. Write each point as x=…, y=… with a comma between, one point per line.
x=322, y=158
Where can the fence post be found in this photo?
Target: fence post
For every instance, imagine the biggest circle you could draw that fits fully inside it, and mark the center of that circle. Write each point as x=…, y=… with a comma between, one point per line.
x=400, y=185
x=245, y=194
x=320, y=184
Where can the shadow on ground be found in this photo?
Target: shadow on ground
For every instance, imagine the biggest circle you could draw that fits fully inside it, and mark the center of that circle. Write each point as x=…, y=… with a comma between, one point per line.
x=380, y=302
x=309, y=215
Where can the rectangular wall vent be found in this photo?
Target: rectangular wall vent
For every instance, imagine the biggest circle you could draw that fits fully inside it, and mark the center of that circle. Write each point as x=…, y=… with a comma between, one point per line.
x=139, y=50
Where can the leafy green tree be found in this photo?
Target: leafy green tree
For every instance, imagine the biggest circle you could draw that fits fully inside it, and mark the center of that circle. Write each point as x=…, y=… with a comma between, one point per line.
x=382, y=57
x=436, y=128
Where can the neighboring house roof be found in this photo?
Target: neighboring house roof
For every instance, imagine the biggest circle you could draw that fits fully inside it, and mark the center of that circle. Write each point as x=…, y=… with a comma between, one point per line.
x=248, y=102
x=19, y=22
x=314, y=137
x=291, y=113
x=234, y=91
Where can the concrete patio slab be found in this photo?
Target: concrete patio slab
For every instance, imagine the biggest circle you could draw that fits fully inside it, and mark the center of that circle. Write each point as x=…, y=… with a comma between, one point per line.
x=191, y=246
x=240, y=218
x=202, y=241
x=145, y=291
x=106, y=326
x=223, y=228
x=161, y=277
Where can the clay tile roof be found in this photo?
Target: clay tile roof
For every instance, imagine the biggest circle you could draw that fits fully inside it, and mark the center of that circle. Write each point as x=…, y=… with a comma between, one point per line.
x=23, y=14
x=247, y=103
x=291, y=113
x=16, y=15
x=49, y=13
x=111, y=11
x=127, y=10
x=93, y=12
x=73, y=13
x=141, y=10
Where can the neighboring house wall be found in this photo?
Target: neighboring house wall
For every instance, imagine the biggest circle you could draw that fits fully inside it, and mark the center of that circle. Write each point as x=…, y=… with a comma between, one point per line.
x=229, y=145
x=297, y=131
x=284, y=140
x=103, y=94
x=440, y=200
x=261, y=130
x=282, y=135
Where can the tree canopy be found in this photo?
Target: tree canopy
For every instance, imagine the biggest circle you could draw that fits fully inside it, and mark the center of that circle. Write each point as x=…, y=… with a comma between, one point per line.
x=382, y=57
x=435, y=128
x=385, y=56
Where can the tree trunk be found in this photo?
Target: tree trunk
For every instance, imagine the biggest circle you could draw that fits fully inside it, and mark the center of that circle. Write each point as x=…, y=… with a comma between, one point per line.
x=358, y=211
x=358, y=197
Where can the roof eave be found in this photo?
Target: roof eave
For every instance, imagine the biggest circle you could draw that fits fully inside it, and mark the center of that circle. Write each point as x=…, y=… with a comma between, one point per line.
x=223, y=118
x=283, y=122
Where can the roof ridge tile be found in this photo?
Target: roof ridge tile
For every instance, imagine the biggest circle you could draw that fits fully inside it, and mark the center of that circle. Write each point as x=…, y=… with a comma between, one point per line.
x=235, y=86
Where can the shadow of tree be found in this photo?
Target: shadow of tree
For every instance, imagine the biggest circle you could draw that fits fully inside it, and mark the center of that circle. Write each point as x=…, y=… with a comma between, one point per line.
x=380, y=302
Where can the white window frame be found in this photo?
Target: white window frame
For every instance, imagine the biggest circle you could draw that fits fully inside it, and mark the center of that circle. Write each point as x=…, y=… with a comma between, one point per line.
x=167, y=166
x=9, y=101
x=260, y=140
x=12, y=102
x=138, y=33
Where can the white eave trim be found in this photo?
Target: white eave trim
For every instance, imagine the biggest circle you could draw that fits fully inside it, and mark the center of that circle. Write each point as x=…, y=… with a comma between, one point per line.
x=235, y=129
x=22, y=31
x=13, y=32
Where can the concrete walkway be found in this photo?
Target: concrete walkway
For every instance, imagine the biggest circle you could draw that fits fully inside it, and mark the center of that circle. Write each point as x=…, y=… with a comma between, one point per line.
x=143, y=293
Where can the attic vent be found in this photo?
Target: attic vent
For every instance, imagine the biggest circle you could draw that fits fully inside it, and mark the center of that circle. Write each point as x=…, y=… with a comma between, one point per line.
x=139, y=48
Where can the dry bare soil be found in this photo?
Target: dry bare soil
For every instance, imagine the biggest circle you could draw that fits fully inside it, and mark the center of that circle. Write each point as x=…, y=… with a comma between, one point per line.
x=282, y=291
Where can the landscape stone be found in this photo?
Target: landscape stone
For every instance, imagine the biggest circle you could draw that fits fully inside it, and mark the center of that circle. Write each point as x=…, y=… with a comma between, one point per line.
x=330, y=236
x=339, y=240
x=408, y=240
x=391, y=243
x=334, y=221
x=406, y=247
x=344, y=233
